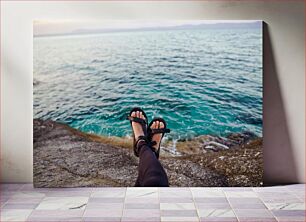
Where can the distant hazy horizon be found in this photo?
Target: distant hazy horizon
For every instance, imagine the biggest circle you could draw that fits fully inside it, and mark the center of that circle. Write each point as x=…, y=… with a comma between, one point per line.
x=68, y=27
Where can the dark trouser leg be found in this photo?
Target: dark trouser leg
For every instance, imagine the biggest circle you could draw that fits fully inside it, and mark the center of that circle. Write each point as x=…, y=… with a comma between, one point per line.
x=150, y=171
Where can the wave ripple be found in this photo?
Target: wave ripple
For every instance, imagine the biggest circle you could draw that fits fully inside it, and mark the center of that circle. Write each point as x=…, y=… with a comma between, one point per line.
x=200, y=81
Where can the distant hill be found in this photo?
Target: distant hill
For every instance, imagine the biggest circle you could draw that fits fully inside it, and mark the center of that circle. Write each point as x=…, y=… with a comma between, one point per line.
x=256, y=24
x=248, y=25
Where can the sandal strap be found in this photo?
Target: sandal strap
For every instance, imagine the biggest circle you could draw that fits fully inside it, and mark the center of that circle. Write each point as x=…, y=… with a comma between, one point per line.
x=158, y=131
x=152, y=143
x=144, y=138
x=137, y=120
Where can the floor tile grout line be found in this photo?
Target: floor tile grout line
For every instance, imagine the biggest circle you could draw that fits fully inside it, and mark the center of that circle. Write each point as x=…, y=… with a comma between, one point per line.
x=198, y=214
x=30, y=214
x=42, y=199
x=253, y=190
x=123, y=206
x=12, y=196
x=36, y=206
x=5, y=202
x=294, y=194
x=14, y=191
x=23, y=186
x=267, y=207
x=230, y=205
x=92, y=190
x=158, y=196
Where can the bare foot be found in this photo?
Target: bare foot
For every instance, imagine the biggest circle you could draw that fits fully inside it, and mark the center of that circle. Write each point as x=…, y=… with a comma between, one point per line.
x=157, y=137
x=137, y=129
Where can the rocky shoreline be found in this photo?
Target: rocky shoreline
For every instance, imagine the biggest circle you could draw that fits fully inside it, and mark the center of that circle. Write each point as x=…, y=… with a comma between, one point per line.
x=66, y=157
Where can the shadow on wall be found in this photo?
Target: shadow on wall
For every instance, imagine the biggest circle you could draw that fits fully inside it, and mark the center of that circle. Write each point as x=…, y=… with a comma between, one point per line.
x=279, y=163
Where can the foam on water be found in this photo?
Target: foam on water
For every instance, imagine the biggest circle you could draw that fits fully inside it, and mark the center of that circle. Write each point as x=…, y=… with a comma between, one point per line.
x=200, y=81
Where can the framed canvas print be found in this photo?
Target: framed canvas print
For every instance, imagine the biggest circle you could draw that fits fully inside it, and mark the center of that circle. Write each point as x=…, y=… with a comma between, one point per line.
x=147, y=103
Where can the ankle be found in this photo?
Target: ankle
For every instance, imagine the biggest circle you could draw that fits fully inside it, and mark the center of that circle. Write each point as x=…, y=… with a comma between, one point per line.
x=142, y=141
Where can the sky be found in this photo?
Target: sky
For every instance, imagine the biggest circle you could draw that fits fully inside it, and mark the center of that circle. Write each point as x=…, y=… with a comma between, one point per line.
x=56, y=27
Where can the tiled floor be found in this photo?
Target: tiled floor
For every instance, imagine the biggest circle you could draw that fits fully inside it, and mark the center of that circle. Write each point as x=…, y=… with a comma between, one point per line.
x=21, y=202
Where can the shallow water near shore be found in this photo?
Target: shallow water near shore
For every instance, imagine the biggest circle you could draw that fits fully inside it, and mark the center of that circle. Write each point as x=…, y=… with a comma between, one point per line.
x=203, y=82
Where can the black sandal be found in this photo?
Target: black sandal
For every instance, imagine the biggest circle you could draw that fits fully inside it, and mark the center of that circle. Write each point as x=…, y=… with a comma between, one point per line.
x=144, y=125
x=151, y=132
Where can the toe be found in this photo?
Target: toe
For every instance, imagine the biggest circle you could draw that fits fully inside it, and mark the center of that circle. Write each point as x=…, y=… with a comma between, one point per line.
x=133, y=114
x=157, y=124
x=137, y=114
x=153, y=125
x=141, y=115
x=161, y=125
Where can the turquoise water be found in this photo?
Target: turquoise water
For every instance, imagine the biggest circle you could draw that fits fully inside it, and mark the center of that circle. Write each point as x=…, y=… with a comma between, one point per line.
x=200, y=81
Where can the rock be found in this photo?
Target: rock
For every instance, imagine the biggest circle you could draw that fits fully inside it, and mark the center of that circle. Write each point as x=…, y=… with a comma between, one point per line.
x=257, y=154
x=215, y=146
x=241, y=138
x=242, y=166
x=66, y=157
x=209, y=143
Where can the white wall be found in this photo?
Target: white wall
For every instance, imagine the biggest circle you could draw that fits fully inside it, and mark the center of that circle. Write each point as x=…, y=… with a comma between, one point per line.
x=284, y=102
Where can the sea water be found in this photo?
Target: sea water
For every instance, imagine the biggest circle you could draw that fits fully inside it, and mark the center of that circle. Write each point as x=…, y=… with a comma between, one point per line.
x=200, y=81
